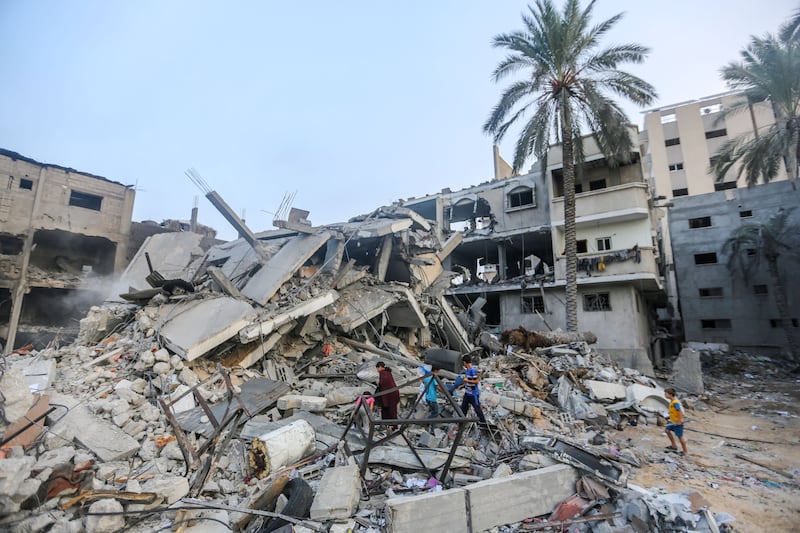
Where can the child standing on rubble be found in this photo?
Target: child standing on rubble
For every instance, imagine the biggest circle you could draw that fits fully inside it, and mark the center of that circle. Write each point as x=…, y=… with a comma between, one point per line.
x=431, y=390
x=471, y=390
x=675, y=426
x=388, y=401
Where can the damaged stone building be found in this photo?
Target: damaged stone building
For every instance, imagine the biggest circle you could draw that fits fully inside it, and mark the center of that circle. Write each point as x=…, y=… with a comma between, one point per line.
x=61, y=232
x=510, y=263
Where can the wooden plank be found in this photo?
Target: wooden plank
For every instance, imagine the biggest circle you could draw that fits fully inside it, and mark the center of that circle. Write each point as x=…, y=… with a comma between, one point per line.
x=24, y=439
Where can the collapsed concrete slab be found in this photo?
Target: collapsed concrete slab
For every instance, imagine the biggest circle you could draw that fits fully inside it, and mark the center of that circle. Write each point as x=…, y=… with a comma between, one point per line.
x=170, y=254
x=437, y=511
x=193, y=328
x=282, y=266
x=406, y=313
x=267, y=326
x=358, y=304
x=602, y=390
x=106, y=441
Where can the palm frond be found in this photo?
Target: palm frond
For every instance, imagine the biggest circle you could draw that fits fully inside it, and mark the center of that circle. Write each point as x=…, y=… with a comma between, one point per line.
x=757, y=158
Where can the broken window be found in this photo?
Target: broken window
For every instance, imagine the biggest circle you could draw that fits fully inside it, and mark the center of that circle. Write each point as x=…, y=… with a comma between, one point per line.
x=85, y=200
x=716, y=323
x=597, y=302
x=582, y=246
x=705, y=259
x=532, y=304
x=700, y=222
x=716, y=133
x=776, y=323
x=520, y=197
x=26, y=184
x=745, y=214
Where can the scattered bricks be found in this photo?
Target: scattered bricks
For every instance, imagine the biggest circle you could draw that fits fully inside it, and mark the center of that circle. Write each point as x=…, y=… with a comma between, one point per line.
x=338, y=493
x=495, y=502
x=306, y=403
x=437, y=511
x=311, y=471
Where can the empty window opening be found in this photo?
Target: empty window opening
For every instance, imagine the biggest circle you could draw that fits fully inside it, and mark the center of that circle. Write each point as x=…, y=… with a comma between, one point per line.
x=603, y=244
x=85, y=200
x=776, y=323
x=745, y=214
x=676, y=167
x=666, y=119
x=760, y=289
x=520, y=197
x=680, y=192
x=711, y=292
x=672, y=142
x=597, y=302
x=713, y=134
x=705, y=259
x=26, y=184
x=578, y=188
x=700, y=222
x=716, y=323
x=582, y=246
x=596, y=185
x=724, y=186
x=532, y=304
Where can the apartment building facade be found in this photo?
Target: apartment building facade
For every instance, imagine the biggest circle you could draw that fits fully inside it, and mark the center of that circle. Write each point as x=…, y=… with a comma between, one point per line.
x=511, y=259
x=680, y=143
x=719, y=305
x=61, y=232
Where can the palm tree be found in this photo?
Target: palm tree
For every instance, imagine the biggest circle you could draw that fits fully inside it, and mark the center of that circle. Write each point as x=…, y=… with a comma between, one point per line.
x=564, y=90
x=750, y=243
x=791, y=30
x=769, y=71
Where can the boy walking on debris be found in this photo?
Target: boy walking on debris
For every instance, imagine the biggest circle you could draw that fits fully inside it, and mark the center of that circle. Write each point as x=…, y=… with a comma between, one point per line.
x=432, y=388
x=675, y=426
x=471, y=390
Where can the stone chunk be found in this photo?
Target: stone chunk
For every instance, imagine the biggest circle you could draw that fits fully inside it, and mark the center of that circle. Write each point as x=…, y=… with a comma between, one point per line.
x=96, y=522
x=105, y=440
x=169, y=488
x=688, y=372
x=306, y=403
x=338, y=493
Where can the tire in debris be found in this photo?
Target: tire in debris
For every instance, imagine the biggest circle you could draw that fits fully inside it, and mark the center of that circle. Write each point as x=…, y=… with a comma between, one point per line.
x=300, y=496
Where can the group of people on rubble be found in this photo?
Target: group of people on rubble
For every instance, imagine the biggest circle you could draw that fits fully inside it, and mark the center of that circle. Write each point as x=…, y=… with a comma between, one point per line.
x=468, y=379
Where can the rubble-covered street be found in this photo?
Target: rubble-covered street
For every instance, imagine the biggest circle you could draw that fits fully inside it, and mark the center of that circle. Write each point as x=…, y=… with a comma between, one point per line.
x=230, y=390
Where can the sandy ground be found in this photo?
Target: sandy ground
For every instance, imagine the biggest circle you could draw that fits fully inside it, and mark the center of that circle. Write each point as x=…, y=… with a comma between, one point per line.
x=751, y=409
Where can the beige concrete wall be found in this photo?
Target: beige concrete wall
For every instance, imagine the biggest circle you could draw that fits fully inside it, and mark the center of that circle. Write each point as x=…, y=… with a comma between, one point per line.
x=112, y=221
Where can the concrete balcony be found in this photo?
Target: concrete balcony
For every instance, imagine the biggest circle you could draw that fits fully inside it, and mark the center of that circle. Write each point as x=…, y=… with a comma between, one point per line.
x=616, y=267
x=619, y=203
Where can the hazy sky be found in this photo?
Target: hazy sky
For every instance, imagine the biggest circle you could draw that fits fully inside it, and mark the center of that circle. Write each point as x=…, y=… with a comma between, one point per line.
x=350, y=104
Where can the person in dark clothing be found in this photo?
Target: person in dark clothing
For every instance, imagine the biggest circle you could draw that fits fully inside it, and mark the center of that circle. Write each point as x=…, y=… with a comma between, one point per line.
x=388, y=401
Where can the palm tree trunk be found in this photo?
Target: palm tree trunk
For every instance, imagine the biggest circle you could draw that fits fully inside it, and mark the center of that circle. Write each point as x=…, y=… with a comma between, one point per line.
x=570, y=234
x=783, y=309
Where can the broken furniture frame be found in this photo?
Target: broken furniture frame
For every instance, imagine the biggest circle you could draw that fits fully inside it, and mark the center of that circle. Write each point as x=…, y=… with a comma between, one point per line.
x=191, y=455
x=402, y=423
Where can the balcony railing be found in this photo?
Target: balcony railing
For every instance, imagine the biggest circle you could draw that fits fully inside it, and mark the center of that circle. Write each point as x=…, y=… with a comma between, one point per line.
x=611, y=263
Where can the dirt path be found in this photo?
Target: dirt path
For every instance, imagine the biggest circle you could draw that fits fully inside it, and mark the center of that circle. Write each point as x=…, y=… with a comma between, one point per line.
x=743, y=422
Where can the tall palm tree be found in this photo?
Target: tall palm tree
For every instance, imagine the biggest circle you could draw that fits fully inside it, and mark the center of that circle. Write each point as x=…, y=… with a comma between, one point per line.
x=791, y=29
x=769, y=241
x=564, y=89
x=768, y=72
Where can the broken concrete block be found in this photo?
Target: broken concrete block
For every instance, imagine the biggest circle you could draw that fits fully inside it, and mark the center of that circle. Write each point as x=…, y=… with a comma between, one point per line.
x=186, y=403
x=39, y=373
x=495, y=502
x=437, y=511
x=97, y=522
x=106, y=441
x=688, y=372
x=338, y=493
x=54, y=458
x=17, y=396
x=601, y=390
x=282, y=447
x=193, y=328
x=306, y=403
x=169, y=488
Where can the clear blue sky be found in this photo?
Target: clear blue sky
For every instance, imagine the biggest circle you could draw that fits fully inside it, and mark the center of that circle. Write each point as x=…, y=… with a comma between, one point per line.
x=352, y=104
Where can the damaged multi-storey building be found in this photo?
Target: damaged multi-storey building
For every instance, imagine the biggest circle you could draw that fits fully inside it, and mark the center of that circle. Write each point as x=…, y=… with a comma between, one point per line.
x=61, y=232
x=510, y=264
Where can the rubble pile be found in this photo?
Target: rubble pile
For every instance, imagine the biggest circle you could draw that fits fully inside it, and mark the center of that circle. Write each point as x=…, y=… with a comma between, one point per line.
x=232, y=391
